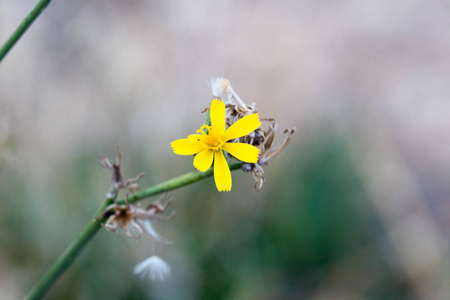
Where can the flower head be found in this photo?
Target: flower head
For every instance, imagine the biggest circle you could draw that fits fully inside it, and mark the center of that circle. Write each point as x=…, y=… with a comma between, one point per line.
x=209, y=146
x=135, y=220
x=154, y=267
x=264, y=140
x=117, y=182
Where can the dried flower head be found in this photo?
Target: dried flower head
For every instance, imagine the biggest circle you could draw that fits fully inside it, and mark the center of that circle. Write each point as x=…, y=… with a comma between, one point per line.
x=154, y=268
x=117, y=182
x=135, y=220
x=264, y=140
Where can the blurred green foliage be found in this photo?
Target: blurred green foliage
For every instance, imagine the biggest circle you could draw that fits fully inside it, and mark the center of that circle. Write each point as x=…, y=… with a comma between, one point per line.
x=310, y=232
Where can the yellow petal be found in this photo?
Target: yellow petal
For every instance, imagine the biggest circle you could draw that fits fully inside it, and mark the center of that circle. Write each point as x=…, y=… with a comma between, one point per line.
x=217, y=114
x=243, y=152
x=203, y=160
x=189, y=146
x=222, y=174
x=242, y=127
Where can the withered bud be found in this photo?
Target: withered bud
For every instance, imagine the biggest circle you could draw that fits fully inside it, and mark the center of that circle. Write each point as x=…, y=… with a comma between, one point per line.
x=135, y=220
x=117, y=181
x=264, y=140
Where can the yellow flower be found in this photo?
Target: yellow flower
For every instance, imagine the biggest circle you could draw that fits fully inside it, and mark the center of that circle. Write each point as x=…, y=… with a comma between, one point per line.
x=209, y=146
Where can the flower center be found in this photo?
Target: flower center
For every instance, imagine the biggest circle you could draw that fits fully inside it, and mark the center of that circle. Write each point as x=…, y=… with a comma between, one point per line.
x=213, y=140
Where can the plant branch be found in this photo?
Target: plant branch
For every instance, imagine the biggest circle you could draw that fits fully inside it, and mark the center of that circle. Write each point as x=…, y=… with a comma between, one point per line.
x=74, y=249
x=173, y=184
x=66, y=259
x=23, y=26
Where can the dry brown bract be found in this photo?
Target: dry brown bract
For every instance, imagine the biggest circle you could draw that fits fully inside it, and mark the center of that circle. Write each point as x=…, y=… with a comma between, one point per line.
x=135, y=220
x=264, y=140
x=117, y=182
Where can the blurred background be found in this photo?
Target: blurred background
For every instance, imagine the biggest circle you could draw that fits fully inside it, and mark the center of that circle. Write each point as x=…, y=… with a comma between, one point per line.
x=356, y=207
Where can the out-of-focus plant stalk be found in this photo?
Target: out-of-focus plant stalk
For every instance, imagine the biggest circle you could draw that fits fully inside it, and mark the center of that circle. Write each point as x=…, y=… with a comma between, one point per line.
x=66, y=259
x=23, y=26
x=72, y=252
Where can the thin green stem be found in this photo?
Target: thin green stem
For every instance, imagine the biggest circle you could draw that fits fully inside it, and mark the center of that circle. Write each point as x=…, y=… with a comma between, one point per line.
x=66, y=259
x=173, y=184
x=23, y=26
x=74, y=249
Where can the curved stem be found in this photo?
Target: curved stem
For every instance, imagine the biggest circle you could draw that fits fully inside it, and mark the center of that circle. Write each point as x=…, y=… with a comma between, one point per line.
x=74, y=249
x=23, y=26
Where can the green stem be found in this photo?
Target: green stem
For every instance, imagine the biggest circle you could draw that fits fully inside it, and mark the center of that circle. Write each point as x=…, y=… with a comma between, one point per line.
x=66, y=259
x=74, y=249
x=173, y=184
x=23, y=26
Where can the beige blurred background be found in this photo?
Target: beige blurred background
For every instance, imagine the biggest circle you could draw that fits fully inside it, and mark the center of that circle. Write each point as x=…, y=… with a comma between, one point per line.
x=91, y=75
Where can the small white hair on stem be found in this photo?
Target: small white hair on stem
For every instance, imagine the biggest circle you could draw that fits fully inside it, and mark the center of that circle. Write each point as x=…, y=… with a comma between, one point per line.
x=153, y=268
